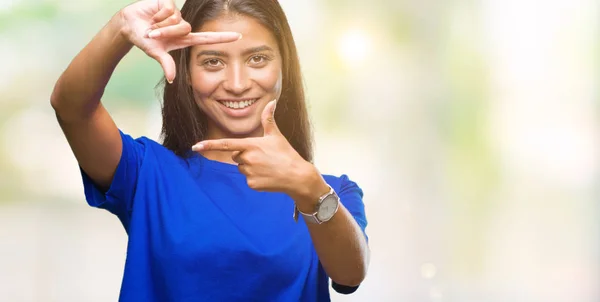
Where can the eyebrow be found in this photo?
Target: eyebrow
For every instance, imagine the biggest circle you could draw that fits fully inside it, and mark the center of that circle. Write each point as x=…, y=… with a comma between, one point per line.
x=257, y=49
x=211, y=53
x=245, y=52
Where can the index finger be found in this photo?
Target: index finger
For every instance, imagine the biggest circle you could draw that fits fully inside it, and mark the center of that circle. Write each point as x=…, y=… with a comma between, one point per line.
x=196, y=38
x=225, y=144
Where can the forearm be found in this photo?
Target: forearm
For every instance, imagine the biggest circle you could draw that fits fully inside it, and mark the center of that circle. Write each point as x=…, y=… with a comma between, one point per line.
x=340, y=243
x=78, y=91
x=342, y=248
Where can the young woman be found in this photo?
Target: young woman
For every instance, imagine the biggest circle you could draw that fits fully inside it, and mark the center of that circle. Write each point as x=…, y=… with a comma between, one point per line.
x=229, y=207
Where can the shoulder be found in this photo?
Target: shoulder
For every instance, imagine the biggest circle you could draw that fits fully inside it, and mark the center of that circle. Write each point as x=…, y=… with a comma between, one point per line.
x=152, y=150
x=144, y=141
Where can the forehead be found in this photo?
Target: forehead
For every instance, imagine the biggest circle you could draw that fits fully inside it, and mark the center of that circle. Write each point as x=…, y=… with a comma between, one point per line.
x=253, y=32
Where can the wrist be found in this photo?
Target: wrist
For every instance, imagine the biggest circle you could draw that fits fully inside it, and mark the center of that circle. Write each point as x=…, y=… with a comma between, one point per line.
x=120, y=32
x=309, y=188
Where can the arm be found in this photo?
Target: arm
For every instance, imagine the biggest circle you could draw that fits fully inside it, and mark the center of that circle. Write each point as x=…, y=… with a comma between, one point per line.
x=89, y=129
x=340, y=243
x=271, y=164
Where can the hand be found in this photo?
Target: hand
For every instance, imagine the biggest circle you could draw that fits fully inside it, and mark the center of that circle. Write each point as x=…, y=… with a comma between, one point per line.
x=269, y=162
x=156, y=27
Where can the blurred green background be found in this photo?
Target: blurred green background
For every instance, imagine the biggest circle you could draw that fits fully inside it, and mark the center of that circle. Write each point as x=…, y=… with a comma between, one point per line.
x=472, y=127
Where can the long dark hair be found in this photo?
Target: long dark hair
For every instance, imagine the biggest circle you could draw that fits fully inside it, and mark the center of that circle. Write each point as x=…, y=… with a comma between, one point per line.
x=184, y=124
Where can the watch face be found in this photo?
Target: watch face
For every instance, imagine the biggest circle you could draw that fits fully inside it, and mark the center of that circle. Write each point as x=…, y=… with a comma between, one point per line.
x=327, y=208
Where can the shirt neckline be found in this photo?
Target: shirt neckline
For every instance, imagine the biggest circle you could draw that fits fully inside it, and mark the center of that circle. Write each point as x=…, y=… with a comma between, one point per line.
x=217, y=165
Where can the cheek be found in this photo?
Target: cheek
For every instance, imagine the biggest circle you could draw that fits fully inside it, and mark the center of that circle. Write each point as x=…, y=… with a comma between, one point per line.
x=205, y=83
x=269, y=80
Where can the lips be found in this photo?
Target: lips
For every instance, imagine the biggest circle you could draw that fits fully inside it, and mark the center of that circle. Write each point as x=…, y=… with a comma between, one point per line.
x=238, y=104
x=238, y=108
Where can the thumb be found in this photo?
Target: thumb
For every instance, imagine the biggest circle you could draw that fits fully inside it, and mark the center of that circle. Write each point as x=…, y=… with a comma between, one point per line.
x=167, y=63
x=268, y=118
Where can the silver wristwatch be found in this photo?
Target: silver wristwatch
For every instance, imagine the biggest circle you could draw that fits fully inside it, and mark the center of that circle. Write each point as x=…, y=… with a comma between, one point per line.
x=327, y=206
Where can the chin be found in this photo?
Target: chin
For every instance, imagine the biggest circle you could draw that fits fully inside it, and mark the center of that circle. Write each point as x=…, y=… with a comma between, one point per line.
x=242, y=131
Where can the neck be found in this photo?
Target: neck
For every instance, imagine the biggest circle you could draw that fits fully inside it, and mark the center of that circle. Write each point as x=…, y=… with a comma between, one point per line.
x=220, y=156
x=215, y=133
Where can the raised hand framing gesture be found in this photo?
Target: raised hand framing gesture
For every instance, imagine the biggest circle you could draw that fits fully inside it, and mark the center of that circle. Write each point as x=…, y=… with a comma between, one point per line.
x=269, y=162
x=156, y=27
x=222, y=104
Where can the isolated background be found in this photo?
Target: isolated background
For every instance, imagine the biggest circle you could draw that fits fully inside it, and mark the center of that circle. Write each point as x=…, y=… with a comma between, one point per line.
x=472, y=126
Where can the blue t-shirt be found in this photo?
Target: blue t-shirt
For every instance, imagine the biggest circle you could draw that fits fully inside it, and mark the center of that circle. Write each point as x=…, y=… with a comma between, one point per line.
x=197, y=232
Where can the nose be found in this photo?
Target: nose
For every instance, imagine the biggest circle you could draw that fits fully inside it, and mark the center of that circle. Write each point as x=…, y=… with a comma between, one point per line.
x=237, y=80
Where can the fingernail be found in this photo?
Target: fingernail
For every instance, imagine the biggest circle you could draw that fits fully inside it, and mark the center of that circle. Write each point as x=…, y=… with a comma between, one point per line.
x=197, y=147
x=274, y=106
x=240, y=37
x=170, y=81
x=154, y=34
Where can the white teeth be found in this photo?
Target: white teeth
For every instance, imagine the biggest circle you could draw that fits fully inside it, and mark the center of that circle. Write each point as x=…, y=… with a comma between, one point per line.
x=238, y=105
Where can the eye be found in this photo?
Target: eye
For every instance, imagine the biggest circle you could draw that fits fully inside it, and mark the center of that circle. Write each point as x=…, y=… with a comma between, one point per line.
x=258, y=60
x=213, y=63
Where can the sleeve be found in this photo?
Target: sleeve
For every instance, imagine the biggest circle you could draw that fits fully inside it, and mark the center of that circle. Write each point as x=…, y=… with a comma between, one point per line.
x=351, y=196
x=119, y=197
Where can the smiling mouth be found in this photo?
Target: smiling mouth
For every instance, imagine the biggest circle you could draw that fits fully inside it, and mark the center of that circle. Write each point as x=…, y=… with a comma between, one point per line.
x=237, y=104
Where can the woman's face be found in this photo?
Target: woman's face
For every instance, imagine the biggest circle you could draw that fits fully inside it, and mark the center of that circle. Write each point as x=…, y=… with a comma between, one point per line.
x=233, y=82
